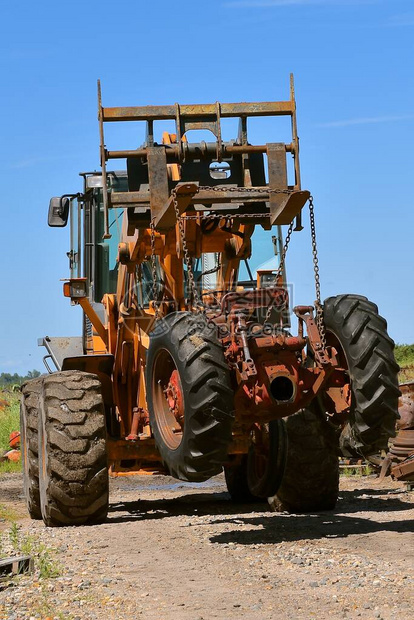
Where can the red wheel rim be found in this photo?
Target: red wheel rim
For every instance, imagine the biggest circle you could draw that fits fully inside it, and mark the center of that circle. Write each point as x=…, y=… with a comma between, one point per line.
x=168, y=399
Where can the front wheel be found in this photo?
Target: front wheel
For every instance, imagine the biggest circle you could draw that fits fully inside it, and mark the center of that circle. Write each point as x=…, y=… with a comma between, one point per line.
x=29, y=413
x=190, y=399
x=73, y=475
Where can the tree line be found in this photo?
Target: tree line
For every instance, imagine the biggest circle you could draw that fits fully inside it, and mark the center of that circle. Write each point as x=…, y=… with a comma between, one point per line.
x=8, y=380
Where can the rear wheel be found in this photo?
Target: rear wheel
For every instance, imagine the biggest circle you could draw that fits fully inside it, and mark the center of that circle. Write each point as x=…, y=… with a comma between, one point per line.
x=266, y=459
x=311, y=480
x=29, y=410
x=73, y=476
x=189, y=394
x=235, y=473
x=359, y=333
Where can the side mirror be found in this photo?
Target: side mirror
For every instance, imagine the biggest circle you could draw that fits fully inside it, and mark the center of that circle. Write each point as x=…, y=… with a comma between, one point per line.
x=58, y=211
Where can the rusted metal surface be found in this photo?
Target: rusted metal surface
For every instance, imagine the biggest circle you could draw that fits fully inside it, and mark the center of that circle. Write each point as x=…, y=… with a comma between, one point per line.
x=166, y=218
x=404, y=470
x=406, y=406
x=175, y=398
x=272, y=381
x=124, y=450
x=145, y=113
x=196, y=151
x=251, y=299
x=278, y=179
x=158, y=179
x=204, y=117
x=399, y=461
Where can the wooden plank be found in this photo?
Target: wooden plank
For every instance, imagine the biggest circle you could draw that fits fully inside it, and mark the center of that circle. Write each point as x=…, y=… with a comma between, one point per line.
x=16, y=565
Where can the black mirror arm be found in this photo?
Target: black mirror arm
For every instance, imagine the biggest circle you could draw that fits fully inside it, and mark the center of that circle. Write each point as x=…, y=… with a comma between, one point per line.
x=61, y=208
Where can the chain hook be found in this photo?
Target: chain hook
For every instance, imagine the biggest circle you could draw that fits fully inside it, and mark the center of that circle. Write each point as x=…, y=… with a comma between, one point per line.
x=188, y=261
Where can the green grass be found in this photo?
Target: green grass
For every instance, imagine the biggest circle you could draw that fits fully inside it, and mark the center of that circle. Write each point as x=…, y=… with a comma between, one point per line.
x=14, y=541
x=10, y=467
x=404, y=354
x=350, y=471
x=7, y=514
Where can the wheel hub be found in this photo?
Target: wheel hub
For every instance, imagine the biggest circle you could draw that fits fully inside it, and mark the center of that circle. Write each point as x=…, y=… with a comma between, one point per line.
x=174, y=396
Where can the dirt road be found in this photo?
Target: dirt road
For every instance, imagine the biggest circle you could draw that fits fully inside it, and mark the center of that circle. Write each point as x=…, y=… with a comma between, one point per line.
x=178, y=551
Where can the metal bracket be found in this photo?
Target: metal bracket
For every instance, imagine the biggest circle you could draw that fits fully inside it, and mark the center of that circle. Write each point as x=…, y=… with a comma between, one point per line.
x=158, y=179
x=167, y=219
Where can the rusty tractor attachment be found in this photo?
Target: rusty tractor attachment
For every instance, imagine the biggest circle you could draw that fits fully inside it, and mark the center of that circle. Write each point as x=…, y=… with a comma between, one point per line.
x=187, y=363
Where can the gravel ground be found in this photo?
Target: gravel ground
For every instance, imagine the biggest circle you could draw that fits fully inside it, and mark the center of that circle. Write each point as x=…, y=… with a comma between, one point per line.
x=179, y=551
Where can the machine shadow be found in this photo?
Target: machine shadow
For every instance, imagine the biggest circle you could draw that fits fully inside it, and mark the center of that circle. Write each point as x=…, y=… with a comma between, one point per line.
x=371, y=500
x=281, y=528
x=274, y=527
x=192, y=504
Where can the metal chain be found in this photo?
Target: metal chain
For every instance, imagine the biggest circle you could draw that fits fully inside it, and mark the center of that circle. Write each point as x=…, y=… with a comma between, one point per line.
x=235, y=189
x=247, y=190
x=190, y=275
x=187, y=258
x=318, y=304
x=280, y=270
x=214, y=215
x=154, y=272
x=256, y=190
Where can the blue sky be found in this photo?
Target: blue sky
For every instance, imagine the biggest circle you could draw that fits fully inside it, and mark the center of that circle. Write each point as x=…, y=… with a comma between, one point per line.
x=353, y=66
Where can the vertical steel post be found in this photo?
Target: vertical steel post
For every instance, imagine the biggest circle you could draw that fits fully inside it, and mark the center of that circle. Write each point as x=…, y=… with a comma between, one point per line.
x=107, y=234
x=295, y=138
x=295, y=141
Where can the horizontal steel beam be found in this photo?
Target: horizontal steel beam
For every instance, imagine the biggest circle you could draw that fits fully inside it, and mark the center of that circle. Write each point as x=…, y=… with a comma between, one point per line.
x=153, y=113
x=192, y=151
x=202, y=196
x=122, y=449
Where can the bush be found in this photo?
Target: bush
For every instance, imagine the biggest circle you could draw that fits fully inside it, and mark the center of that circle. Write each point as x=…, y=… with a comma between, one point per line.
x=9, y=421
x=404, y=354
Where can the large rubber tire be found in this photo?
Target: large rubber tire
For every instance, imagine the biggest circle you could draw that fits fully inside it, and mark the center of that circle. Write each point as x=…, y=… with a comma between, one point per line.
x=311, y=480
x=191, y=345
x=369, y=351
x=73, y=475
x=29, y=410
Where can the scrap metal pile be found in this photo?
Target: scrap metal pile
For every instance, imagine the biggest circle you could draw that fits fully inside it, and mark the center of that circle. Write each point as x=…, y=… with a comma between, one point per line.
x=399, y=461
